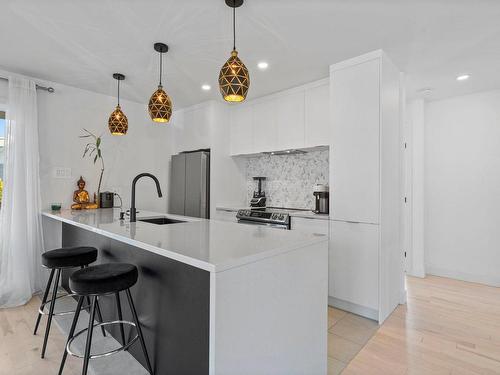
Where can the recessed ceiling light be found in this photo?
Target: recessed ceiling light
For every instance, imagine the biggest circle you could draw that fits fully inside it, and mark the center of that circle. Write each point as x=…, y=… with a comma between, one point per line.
x=463, y=77
x=262, y=65
x=205, y=87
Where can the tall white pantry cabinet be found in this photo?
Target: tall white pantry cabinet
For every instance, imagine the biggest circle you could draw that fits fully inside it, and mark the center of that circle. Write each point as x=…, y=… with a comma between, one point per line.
x=366, y=258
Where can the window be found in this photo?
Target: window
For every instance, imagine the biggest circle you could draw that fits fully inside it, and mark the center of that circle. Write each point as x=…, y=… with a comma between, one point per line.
x=2, y=154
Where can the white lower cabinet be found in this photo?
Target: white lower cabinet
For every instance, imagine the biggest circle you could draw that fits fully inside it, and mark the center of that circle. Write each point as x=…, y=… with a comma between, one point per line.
x=306, y=225
x=353, y=265
x=224, y=215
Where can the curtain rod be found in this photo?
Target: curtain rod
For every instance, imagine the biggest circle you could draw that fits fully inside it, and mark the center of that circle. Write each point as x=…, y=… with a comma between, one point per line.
x=39, y=87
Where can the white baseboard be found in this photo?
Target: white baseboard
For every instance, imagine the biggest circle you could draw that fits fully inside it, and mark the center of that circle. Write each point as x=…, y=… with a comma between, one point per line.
x=491, y=280
x=367, y=312
x=403, y=297
x=414, y=273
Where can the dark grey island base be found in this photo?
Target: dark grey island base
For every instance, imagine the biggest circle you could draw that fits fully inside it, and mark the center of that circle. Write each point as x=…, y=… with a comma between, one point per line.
x=171, y=298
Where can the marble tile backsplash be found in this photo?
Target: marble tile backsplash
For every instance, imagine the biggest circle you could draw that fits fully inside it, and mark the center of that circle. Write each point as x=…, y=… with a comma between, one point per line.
x=290, y=178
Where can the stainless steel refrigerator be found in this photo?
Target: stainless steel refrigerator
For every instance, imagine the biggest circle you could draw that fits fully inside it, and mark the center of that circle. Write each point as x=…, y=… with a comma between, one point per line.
x=190, y=184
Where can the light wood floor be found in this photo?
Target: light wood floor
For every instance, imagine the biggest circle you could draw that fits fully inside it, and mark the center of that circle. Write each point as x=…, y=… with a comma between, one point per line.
x=20, y=350
x=447, y=327
x=347, y=335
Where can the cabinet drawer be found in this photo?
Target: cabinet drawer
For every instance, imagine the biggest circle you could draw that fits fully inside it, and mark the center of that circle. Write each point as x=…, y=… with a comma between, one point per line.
x=224, y=215
x=315, y=226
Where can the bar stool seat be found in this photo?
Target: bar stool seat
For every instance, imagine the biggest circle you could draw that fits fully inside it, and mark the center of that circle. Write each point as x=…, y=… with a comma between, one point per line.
x=69, y=257
x=103, y=279
x=57, y=260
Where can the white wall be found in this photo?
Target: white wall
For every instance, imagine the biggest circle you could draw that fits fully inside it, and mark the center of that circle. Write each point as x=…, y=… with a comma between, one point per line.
x=462, y=187
x=415, y=188
x=145, y=148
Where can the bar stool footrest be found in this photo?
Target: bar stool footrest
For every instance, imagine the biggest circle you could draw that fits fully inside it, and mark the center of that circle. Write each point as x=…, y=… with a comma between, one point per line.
x=111, y=352
x=41, y=309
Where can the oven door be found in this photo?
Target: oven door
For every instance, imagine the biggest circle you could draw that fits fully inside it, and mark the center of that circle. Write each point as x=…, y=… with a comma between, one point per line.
x=252, y=222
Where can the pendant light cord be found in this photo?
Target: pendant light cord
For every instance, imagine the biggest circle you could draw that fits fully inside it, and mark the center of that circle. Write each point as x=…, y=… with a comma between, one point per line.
x=161, y=63
x=234, y=28
x=118, y=91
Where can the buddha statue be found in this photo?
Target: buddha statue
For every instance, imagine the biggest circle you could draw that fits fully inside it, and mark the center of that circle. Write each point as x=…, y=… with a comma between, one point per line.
x=81, y=197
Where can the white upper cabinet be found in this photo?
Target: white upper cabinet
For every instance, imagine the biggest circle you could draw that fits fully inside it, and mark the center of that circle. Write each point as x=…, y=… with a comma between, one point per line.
x=354, y=157
x=191, y=129
x=292, y=119
x=317, y=121
x=265, y=131
x=289, y=112
x=241, y=130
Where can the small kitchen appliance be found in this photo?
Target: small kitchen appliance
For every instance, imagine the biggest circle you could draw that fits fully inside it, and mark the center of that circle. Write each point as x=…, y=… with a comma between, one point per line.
x=106, y=199
x=259, y=197
x=322, y=199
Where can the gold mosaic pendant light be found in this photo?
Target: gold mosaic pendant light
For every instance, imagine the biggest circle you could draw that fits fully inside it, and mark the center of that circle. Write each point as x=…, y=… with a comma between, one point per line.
x=160, y=105
x=234, y=79
x=118, y=122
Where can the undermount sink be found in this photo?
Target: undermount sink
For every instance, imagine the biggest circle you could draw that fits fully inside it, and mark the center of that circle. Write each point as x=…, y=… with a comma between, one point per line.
x=161, y=220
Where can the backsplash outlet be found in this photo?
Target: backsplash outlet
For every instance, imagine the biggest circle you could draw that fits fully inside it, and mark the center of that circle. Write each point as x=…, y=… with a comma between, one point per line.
x=290, y=178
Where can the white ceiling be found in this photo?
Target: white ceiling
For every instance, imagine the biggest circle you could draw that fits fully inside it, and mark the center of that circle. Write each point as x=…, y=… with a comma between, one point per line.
x=82, y=42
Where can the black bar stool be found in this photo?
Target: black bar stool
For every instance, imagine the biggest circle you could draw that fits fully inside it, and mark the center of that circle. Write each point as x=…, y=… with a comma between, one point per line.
x=100, y=280
x=57, y=260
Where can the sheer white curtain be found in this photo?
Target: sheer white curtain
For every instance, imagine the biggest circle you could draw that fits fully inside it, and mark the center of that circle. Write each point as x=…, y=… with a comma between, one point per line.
x=21, y=240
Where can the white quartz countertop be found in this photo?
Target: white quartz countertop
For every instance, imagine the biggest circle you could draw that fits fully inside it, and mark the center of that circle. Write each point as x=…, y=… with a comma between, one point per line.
x=293, y=212
x=211, y=245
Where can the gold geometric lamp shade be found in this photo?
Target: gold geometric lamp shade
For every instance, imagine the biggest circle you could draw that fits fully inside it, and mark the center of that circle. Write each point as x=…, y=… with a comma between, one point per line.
x=160, y=105
x=118, y=122
x=234, y=79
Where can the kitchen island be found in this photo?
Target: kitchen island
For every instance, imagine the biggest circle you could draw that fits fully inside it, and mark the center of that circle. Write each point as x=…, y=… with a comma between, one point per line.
x=214, y=297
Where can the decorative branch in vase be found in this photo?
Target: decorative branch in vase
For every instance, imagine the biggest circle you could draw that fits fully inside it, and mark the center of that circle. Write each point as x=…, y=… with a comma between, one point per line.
x=93, y=149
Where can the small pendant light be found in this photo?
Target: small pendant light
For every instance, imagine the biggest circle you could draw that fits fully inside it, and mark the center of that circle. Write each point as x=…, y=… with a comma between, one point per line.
x=118, y=122
x=160, y=105
x=234, y=79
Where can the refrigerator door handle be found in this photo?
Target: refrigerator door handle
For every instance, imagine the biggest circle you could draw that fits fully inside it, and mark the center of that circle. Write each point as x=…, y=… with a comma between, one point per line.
x=203, y=195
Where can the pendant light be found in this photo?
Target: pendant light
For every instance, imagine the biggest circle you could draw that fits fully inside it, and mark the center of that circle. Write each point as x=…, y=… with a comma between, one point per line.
x=118, y=122
x=234, y=79
x=160, y=105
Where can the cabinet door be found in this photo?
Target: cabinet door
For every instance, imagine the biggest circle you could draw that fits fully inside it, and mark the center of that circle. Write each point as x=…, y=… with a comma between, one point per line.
x=224, y=215
x=317, y=116
x=265, y=132
x=241, y=130
x=353, y=263
x=290, y=121
x=312, y=226
x=354, y=157
x=196, y=132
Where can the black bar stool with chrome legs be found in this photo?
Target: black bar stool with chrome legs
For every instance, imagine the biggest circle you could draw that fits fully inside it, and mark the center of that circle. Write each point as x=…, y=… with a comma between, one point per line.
x=57, y=260
x=100, y=280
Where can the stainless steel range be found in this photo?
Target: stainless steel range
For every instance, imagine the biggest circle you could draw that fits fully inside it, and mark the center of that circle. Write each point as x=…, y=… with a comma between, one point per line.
x=274, y=219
